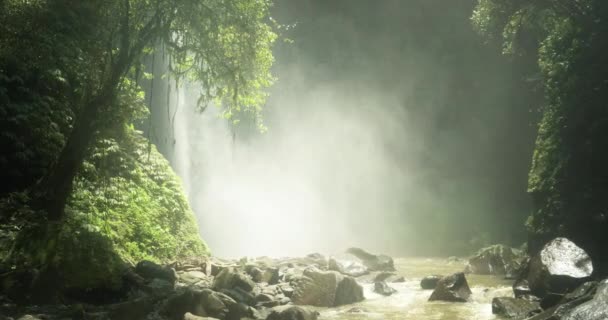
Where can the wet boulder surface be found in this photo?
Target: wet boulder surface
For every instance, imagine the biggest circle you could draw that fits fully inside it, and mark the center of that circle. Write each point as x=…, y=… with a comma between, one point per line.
x=509, y=307
x=452, y=288
x=558, y=268
x=384, y=289
x=325, y=289
x=496, y=260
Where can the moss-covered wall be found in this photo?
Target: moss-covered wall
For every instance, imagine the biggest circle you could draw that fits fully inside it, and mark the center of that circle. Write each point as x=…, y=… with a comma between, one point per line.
x=569, y=175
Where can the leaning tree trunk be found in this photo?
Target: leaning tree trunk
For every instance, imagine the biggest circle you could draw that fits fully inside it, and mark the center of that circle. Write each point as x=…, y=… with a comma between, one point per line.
x=52, y=193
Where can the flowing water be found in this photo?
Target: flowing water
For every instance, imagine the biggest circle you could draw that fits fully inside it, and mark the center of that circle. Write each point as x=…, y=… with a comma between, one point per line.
x=411, y=301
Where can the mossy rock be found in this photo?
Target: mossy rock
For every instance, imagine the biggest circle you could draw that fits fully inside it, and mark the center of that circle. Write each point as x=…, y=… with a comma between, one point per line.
x=127, y=205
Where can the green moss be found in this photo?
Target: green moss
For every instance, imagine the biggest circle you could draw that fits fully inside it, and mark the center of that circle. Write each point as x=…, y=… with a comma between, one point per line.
x=127, y=205
x=128, y=193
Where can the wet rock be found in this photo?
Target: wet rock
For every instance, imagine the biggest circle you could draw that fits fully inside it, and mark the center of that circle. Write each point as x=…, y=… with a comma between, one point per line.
x=453, y=288
x=286, y=289
x=240, y=311
x=348, y=291
x=512, y=308
x=293, y=313
x=192, y=277
x=371, y=261
x=230, y=278
x=383, y=289
x=266, y=300
x=357, y=310
x=346, y=267
x=316, y=288
x=151, y=270
x=558, y=268
x=430, y=282
x=215, y=304
x=496, y=260
x=594, y=309
x=325, y=289
x=240, y=295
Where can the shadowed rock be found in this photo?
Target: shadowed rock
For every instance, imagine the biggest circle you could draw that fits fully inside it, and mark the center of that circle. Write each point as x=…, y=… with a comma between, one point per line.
x=558, y=268
x=511, y=307
x=383, y=289
x=452, y=288
x=496, y=260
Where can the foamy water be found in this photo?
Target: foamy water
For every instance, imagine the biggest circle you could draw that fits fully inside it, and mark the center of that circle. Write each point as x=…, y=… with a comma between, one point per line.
x=411, y=301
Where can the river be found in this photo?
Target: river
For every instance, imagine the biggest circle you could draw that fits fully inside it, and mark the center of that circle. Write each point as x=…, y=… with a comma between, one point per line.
x=411, y=301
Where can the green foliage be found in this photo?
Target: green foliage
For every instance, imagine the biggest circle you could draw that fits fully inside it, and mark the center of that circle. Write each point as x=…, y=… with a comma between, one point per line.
x=128, y=193
x=568, y=178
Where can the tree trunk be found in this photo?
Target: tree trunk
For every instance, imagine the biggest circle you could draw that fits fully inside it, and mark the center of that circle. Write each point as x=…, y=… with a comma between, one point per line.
x=52, y=192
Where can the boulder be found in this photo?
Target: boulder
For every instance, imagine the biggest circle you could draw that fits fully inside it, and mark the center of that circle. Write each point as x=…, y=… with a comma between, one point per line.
x=594, y=309
x=316, y=288
x=371, y=261
x=496, y=260
x=230, y=278
x=513, y=308
x=151, y=270
x=293, y=313
x=430, y=282
x=453, y=288
x=192, y=277
x=558, y=268
x=346, y=267
x=383, y=289
x=325, y=289
x=348, y=291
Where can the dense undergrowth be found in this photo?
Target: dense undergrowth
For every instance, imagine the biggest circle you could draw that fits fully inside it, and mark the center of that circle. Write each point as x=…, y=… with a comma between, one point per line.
x=127, y=204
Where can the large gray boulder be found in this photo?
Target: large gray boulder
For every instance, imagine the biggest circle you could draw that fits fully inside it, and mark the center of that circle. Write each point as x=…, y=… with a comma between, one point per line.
x=453, y=288
x=371, y=261
x=558, y=268
x=325, y=289
x=496, y=260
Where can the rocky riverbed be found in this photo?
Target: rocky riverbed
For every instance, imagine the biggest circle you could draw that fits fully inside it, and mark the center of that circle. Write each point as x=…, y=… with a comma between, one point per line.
x=355, y=285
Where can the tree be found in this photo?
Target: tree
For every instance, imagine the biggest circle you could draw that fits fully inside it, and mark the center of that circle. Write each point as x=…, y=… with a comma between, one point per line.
x=569, y=177
x=223, y=45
